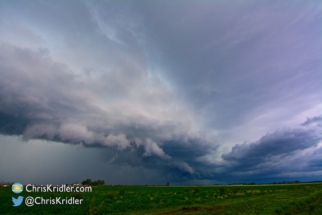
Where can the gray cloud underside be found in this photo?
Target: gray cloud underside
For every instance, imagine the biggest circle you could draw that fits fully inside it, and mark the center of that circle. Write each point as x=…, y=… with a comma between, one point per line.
x=287, y=150
x=316, y=119
x=62, y=106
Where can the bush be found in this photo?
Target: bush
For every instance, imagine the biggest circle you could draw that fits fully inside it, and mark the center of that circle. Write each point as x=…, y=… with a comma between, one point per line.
x=93, y=210
x=278, y=211
x=235, y=190
x=121, y=192
x=222, y=191
x=110, y=195
x=197, y=190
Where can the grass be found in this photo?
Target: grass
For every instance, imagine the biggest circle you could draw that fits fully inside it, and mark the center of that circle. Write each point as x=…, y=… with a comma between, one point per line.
x=222, y=200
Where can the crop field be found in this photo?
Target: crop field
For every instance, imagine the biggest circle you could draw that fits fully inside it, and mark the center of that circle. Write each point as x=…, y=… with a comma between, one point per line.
x=252, y=199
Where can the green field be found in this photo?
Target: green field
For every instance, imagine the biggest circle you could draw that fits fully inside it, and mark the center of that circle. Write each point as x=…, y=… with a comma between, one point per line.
x=253, y=199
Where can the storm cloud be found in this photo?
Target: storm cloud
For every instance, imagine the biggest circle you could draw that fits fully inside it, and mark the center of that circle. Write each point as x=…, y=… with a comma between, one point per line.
x=289, y=150
x=191, y=90
x=45, y=99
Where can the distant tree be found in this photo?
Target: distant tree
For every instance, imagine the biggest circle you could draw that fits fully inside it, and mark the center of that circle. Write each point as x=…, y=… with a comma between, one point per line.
x=100, y=182
x=93, y=183
x=87, y=182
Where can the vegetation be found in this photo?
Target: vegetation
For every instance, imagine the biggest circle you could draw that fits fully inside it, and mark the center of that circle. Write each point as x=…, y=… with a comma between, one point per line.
x=286, y=199
x=93, y=183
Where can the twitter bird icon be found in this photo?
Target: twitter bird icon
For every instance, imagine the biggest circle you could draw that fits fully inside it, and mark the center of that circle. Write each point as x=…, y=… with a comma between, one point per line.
x=17, y=201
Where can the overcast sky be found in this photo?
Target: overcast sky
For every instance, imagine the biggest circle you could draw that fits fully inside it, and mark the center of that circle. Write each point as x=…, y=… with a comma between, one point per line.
x=145, y=92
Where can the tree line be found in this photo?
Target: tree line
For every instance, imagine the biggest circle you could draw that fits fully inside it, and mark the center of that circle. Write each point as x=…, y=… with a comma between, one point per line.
x=93, y=183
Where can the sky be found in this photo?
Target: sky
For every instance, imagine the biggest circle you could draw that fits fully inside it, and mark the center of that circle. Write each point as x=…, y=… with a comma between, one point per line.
x=149, y=92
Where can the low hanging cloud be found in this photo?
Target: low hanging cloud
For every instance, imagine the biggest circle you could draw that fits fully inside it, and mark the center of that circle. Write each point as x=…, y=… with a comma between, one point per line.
x=279, y=142
x=288, y=150
x=314, y=120
x=124, y=109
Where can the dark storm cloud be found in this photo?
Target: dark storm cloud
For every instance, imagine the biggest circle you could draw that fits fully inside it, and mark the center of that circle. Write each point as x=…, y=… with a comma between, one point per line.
x=57, y=102
x=278, y=152
x=316, y=119
x=181, y=162
x=315, y=161
x=43, y=99
x=279, y=142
